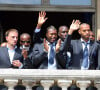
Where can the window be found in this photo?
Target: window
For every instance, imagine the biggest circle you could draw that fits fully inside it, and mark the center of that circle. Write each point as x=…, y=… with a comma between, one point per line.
x=70, y=2
x=25, y=2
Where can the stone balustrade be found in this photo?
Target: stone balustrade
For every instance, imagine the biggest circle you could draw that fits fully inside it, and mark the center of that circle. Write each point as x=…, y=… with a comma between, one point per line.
x=47, y=78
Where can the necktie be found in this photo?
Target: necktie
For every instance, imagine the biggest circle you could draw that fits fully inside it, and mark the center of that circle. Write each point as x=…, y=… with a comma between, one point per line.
x=85, y=56
x=52, y=54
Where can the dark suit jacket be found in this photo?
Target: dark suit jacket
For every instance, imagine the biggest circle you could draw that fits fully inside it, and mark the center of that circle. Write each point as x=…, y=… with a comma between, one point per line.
x=40, y=57
x=5, y=60
x=77, y=53
x=62, y=57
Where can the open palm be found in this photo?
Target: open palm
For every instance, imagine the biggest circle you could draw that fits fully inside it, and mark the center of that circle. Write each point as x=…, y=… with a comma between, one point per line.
x=75, y=25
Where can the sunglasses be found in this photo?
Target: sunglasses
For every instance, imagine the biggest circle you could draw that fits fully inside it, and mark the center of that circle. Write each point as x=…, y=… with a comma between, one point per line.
x=25, y=41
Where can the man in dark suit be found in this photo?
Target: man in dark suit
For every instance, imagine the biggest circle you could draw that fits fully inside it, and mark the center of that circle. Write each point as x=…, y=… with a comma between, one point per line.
x=10, y=55
x=63, y=55
x=78, y=48
x=25, y=44
x=41, y=50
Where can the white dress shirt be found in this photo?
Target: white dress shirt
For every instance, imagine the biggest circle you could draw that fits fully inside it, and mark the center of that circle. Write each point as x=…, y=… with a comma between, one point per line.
x=83, y=46
x=11, y=53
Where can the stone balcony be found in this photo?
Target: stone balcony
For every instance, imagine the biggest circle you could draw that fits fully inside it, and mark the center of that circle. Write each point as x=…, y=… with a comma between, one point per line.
x=47, y=78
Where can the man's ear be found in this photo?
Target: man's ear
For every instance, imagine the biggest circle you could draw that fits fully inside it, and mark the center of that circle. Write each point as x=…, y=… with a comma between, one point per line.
x=79, y=31
x=6, y=38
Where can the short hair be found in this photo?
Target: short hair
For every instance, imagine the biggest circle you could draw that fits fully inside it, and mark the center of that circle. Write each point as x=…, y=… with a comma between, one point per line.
x=61, y=27
x=10, y=30
x=84, y=24
x=51, y=27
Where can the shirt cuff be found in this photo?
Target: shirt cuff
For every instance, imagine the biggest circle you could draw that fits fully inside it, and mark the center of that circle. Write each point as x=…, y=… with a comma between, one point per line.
x=37, y=30
x=21, y=66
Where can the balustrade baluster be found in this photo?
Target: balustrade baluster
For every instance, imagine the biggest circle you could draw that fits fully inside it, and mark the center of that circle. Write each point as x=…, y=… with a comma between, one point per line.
x=47, y=84
x=83, y=84
x=10, y=83
x=28, y=84
x=64, y=84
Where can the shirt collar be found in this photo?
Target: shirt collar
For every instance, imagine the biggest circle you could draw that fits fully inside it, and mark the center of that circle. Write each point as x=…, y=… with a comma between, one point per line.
x=10, y=49
x=85, y=41
x=51, y=43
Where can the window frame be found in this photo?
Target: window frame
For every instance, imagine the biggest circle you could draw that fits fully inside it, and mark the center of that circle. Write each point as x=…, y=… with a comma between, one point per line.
x=45, y=5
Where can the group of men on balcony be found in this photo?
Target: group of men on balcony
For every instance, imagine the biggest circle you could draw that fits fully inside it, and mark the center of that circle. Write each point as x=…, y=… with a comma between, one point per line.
x=51, y=52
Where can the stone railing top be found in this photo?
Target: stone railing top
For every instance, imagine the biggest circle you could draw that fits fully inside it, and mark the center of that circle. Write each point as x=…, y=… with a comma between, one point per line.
x=38, y=74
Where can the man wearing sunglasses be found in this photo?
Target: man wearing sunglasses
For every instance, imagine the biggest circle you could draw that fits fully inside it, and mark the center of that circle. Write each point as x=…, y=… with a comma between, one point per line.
x=25, y=44
x=10, y=55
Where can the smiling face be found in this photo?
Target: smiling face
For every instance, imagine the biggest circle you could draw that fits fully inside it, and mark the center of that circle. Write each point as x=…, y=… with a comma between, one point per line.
x=51, y=35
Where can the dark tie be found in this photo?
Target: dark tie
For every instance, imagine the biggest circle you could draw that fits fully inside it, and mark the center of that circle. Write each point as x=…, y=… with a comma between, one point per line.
x=85, y=56
x=52, y=54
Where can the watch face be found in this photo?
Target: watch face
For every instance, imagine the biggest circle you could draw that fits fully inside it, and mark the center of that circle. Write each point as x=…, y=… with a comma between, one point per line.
x=26, y=48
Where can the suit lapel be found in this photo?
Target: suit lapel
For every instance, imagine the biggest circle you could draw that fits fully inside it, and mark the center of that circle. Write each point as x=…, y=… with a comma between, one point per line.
x=16, y=55
x=90, y=47
x=7, y=55
x=80, y=47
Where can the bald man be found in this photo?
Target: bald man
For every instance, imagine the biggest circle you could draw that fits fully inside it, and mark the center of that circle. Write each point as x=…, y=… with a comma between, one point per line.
x=81, y=60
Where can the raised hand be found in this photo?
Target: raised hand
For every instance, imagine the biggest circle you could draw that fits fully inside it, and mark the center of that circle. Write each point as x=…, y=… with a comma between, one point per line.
x=46, y=46
x=74, y=26
x=58, y=45
x=41, y=19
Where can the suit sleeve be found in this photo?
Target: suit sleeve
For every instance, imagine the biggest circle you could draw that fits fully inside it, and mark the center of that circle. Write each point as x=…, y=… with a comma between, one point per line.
x=38, y=55
x=98, y=57
x=62, y=56
x=67, y=43
x=36, y=36
x=61, y=59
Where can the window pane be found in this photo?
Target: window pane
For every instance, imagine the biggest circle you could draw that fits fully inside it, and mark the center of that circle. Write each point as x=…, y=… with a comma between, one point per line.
x=70, y=2
x=20, y=2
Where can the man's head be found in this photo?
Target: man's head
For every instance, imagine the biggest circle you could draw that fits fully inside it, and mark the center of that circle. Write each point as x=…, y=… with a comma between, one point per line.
x=25, y=39
x=11, y=37
x=63, y=30
x=84, y=31
x=51, y=34
x=92, y=36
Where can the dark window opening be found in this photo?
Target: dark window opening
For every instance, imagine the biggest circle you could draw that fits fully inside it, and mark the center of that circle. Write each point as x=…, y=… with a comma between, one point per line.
x=26, y=21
